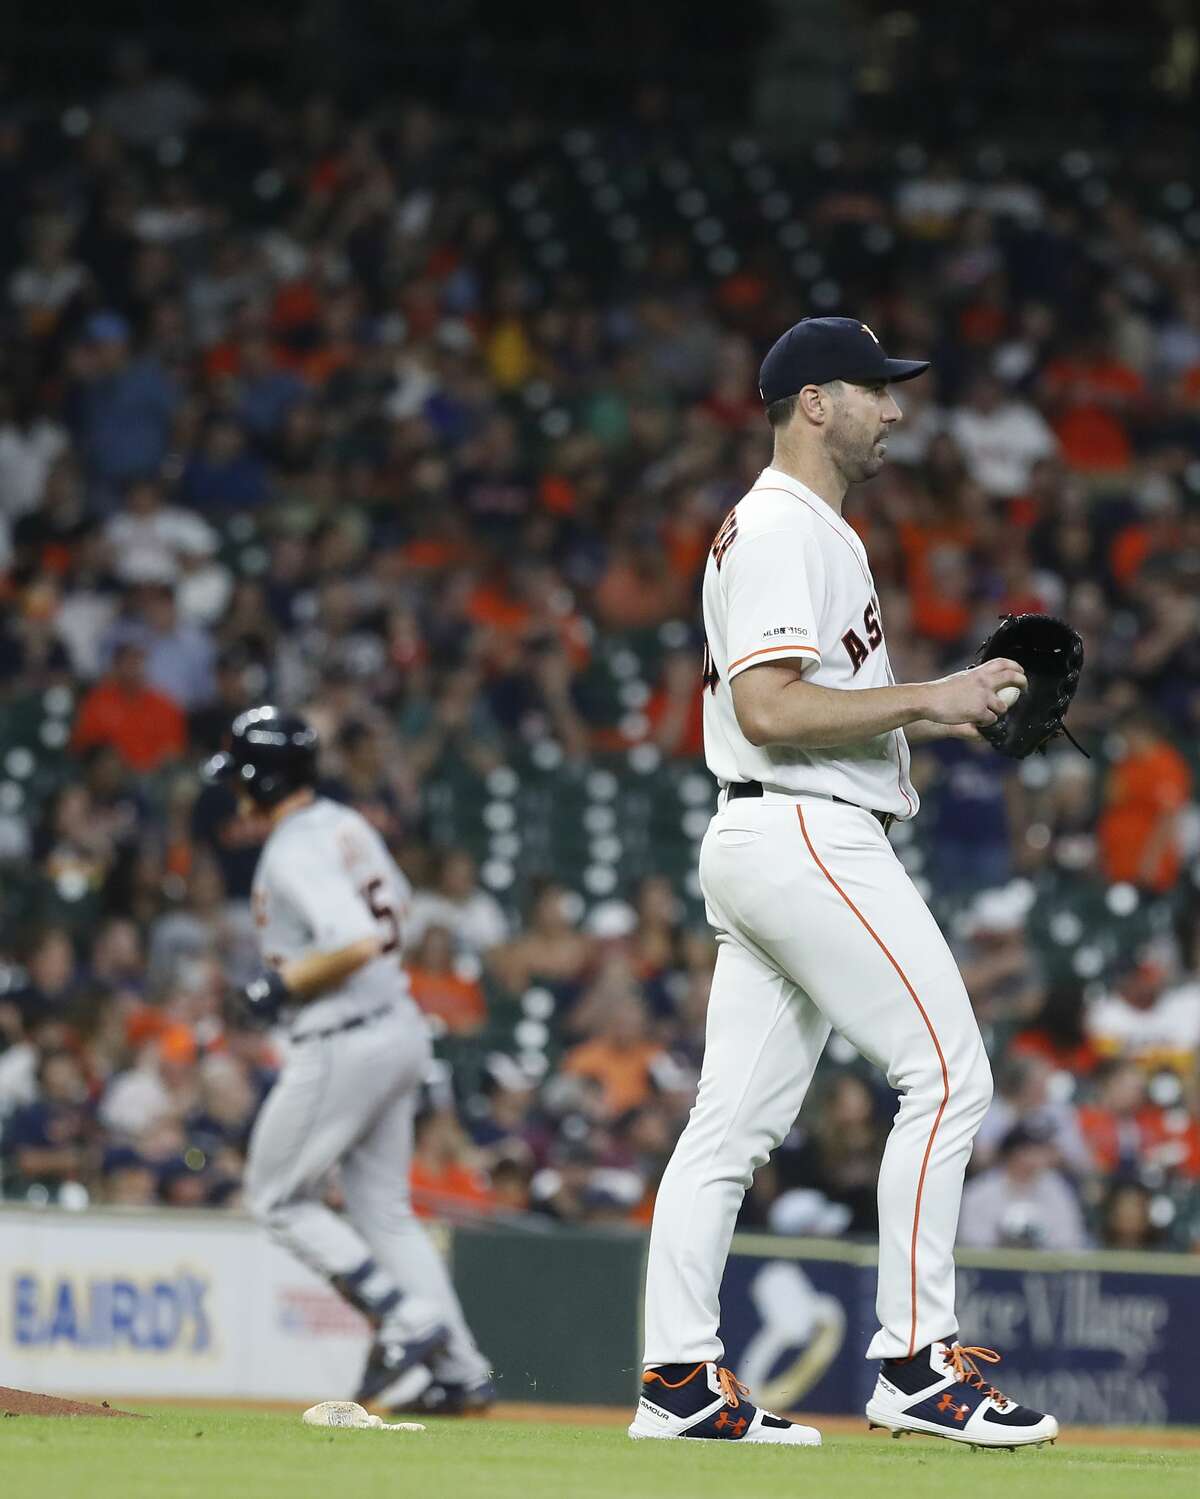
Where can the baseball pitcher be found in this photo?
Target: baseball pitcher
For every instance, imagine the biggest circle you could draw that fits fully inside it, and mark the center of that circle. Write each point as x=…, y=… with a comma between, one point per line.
x=818, y=925
x=329, y=905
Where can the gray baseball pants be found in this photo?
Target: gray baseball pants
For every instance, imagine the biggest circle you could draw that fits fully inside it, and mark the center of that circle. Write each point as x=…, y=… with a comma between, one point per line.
x=349, y=1100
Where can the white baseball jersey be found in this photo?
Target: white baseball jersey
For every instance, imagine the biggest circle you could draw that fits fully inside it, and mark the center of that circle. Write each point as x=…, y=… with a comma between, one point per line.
x=788, y=580
x=324, y=880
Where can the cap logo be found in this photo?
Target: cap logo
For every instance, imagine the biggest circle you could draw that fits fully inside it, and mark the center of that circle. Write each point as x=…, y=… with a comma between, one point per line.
x=865, y=329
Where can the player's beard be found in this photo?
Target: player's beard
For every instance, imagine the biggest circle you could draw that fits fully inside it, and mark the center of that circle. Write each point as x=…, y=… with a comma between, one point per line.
x=856, y=453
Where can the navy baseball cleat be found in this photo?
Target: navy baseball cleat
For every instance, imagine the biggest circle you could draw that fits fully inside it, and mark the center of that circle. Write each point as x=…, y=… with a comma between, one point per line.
x=391, y=1357
x=940, y=1392
x=703, y=1401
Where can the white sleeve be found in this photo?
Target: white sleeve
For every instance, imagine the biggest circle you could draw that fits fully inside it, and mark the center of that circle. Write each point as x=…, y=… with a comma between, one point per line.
x=322, y=890
x=1042, y=441
x=774, y=590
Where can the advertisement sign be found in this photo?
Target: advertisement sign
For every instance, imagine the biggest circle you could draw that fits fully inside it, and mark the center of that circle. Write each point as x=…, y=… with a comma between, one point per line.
x=1095, y=1346
x=1096, y=1339
x=793, y=1330
x=174, y=1304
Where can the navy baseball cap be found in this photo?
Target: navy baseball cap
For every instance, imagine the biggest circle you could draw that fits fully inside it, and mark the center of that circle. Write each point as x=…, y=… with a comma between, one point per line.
x=818, y=349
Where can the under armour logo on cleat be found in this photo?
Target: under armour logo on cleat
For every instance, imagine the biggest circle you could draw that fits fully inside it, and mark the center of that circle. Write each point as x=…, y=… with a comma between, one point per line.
x=946, y=1403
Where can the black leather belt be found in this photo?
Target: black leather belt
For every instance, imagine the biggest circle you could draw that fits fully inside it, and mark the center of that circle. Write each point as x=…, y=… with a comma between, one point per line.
x=739, y=789
x=347, y=1025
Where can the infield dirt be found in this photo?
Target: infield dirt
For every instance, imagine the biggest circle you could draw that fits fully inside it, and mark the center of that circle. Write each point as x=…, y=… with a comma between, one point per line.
x=26, y=1403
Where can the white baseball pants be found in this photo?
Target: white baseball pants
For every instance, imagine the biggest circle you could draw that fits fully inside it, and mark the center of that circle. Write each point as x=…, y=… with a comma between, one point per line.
x=819, y=927
x=349, y=1100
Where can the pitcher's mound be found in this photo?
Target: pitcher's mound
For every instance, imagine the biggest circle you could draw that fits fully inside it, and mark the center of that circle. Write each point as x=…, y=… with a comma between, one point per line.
x=22, y=1403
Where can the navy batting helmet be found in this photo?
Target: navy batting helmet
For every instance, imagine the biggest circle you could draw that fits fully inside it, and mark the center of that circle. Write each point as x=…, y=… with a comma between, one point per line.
x=270, y=755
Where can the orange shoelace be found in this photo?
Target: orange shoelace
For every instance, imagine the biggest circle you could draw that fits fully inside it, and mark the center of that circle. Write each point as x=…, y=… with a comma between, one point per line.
x=962, y=1361
x=731, y=1387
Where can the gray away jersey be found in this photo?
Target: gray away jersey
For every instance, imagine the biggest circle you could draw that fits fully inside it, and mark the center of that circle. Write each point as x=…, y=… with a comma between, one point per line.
x=325, y=879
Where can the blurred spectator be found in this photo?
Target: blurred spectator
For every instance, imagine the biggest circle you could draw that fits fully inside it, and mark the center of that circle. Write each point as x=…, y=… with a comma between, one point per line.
x=204, y=924
x=637, y=589
x=1022, y=1201
x=440, y=989
x=143, y=725
x=234, y=840
x=1129, y=1132
x=75, y=848
x=674, y=712
x=122, y=407
x=1093, y=396
x=550, y=949
x=266, y=390
x=475, y=918
x=1058, y=1033
x=501, y=1121
x=144, y=106
x=117, y=961
x=364, y=782
x=44, y=287
x=510, y=1178
x=147, y=538
x=1029, y=1092
x=445, y=1181
x=1001, y=438
x=158, y=1090
x=836, y=1161
x=1111, y=1123
x=1138, y=829
x=30, y=444
x=1142, y=1019
x=234, y=681
x=126, y=1180
x=969, y=790
x=998, y=965
x=47, y=1141
x=1126, y=1218
x=223, y=474
x=219, y=1125
x=178, y=655
x=50, y=981
x=621, y=1057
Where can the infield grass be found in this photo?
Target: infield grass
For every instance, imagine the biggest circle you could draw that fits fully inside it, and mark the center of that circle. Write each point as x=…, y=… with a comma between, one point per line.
x=181, y=1454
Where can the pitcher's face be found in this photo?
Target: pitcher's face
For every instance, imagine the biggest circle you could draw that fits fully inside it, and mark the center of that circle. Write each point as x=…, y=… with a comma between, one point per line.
x=856, y=434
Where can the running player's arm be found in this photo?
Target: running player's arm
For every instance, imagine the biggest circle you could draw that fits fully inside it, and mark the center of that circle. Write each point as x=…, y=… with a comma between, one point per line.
x=317, y=972
x=343, y=927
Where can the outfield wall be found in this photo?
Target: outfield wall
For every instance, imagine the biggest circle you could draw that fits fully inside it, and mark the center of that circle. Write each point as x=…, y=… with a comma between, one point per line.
x=180, y=1304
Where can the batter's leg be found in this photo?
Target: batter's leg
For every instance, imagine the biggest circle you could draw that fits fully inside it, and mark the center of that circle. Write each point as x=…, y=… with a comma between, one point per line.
x=762, y=1043
x=310, y=1119
x=375, y=1185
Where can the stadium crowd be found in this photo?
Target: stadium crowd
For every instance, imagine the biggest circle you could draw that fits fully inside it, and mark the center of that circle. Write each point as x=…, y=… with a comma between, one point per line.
x=402, y=420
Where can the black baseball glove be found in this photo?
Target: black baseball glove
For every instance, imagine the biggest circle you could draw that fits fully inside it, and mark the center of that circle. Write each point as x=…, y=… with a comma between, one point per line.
x=1051, y=654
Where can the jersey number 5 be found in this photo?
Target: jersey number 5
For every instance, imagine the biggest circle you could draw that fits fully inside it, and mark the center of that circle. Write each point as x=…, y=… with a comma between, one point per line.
x=381, y=908
x=853, y=643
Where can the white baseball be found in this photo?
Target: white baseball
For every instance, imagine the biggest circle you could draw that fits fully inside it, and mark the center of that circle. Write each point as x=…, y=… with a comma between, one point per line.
x=1008, y=695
